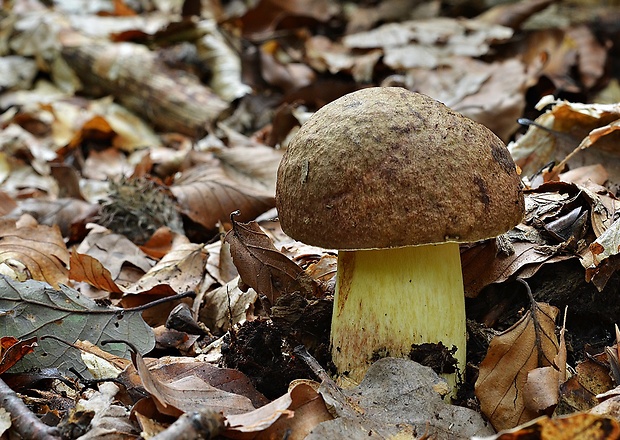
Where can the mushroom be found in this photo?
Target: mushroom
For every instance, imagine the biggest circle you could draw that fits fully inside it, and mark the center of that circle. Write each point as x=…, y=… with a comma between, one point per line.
x=395, y=181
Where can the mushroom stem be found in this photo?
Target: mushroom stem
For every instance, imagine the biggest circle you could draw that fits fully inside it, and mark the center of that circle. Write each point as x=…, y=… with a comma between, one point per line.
x=388, y=299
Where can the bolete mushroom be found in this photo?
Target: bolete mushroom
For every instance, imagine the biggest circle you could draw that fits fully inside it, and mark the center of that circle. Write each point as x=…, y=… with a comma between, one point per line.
x=395, y=181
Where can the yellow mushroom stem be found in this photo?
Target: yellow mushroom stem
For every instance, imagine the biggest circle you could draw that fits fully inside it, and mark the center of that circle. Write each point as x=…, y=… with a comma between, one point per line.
x=388, y=299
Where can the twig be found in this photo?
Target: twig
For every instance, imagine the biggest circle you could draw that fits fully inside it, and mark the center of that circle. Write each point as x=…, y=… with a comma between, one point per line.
x=198, y=425
x=24, y=421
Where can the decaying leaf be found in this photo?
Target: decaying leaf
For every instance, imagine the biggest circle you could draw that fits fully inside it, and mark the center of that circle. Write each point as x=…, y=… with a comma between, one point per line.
x=415, y=408
x=225, y=306
x=187, y=392
x=583, y=426
x=565, y=129
x=293, y=415
x=529, y=344
x=32, y=251
x=207, y=195
x=262, y=267
x=12, y=350
x=33, y=308
x=579, y=393
x=601, y=260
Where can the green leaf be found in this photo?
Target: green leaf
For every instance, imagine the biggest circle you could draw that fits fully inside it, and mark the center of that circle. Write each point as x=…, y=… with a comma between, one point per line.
x=34, y=308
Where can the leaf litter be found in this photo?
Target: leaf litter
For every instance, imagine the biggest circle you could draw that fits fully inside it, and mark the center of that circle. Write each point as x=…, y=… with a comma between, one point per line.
x=213, y=143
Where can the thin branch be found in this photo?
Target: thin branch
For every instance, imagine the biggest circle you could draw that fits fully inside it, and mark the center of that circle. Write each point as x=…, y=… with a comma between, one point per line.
x=24, y=421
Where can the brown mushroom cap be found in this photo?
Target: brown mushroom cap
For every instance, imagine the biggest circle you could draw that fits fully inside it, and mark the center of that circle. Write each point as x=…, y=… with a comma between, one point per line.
x=385, y=167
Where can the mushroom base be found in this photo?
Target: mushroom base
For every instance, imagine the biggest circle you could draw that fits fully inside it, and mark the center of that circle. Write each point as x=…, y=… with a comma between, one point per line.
x=388, y=299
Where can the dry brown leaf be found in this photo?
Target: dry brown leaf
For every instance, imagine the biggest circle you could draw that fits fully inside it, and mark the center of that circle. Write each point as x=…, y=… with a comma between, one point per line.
x=579, y=393
x=207, y=195
x=309, y=410
x=541, y=390
x=180, y=270
x=601, y=259
x=33, y=251
x=186, y=393
x=7, y=203
x=529, y=344
x=513, y=14
x=160, y=242
x=293, y=415
x=262, y=267
x=482, y=265
x=568, y=128
x=225, y=306
x=115, y=252
x=253, y=166
x=105, y=164
x=264, y=17
x=581, y=176
x=576, y=426
x=428, y=43
x=220, y=265
x=225, y=379
x=64, y=212
x=489, y=93
x=88, y=269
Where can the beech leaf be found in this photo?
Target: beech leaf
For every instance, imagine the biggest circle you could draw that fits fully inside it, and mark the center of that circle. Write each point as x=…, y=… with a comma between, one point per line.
x=188, y=392
x=264, y=268
x=529, y=344
x=208, y=195
x=33, y=251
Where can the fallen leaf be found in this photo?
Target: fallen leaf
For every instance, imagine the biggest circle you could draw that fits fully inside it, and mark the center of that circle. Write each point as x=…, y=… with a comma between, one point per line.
x=12, y=350
x=114, y=252
x=33, y=308
x=207, y=195
x=33, y=251
x=414, y=43
x=186, y=393
x=262, y=267
x=180, y=270
x=601, y=259
x=414, y=408
x=577, y=426
x=90, y=270
x=226, y=306
x=529, y=344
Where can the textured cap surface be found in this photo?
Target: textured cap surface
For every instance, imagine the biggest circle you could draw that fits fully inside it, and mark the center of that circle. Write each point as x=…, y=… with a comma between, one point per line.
x=386, y=167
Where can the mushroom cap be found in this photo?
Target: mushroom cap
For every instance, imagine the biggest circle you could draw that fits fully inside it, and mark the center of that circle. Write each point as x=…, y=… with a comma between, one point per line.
x=385, y=167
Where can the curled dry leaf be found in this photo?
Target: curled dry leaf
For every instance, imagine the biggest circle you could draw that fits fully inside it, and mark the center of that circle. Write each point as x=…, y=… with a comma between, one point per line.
x=179, y=271
x=113, y=251
x=90, y=270
x=291, y=416
x=188, y=391
x=33, y=251
x=601, y=259
x=208, y=195
x=264, y=268
x=12, y=350
x=577, y=426
x=565, y=129
x=529, y=344
x=225, y=306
